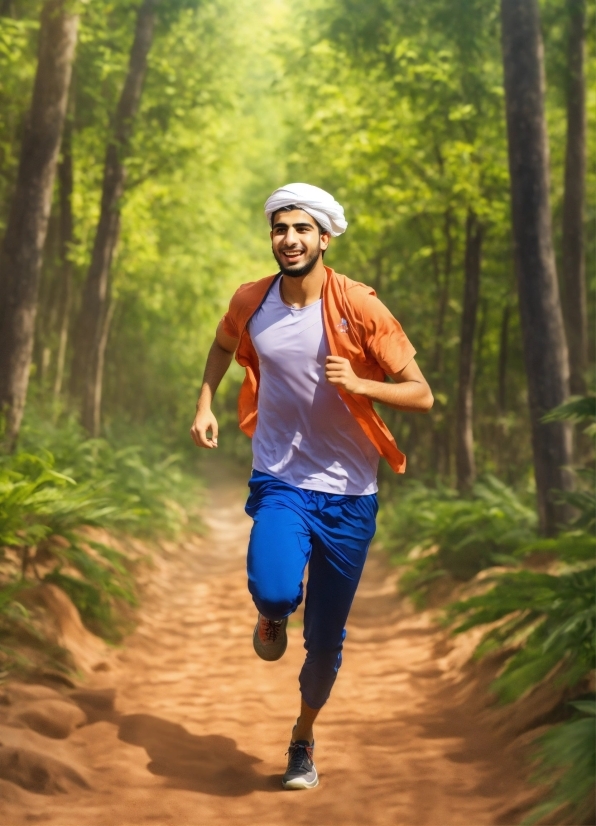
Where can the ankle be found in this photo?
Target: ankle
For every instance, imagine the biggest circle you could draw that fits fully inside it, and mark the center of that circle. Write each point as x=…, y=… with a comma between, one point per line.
x=302, y=733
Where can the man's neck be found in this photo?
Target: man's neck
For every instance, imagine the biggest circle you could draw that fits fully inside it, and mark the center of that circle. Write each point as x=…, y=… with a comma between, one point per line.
x=300, y=292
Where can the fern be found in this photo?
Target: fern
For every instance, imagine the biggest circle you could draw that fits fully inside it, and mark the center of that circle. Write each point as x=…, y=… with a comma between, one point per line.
x=566, y=761
x=440, y=532
x=132, y=489
x=549, y=619
x=560, y=616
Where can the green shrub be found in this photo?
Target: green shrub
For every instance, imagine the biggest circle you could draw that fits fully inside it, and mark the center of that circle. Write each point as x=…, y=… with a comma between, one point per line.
x=566, y=761
x=438, y=531
x=142, y=479
x=550, y=618
x=548, y=621
x=136, y=489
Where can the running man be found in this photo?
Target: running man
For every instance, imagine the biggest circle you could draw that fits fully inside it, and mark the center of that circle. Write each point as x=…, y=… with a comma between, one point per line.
x=316, y=347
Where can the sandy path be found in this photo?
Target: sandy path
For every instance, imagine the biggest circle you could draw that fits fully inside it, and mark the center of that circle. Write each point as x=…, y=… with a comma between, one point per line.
x=200, y=724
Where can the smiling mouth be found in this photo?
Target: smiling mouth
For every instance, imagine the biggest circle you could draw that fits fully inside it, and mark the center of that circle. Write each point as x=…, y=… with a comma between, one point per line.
x=293, y=254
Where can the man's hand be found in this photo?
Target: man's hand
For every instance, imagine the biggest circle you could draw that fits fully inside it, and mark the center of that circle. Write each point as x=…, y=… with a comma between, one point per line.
x=204, y=422
x=338, y=371
x=218, y=361
x=409, y=392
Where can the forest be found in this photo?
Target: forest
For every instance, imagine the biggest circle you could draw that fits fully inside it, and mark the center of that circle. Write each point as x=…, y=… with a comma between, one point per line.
x=138, y=143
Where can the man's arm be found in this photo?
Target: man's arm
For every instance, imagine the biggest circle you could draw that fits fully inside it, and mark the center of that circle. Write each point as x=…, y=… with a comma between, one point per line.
x=410, y=392
x=219, y=359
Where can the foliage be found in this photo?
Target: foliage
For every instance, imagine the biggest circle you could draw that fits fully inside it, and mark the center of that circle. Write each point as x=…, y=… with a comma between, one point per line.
x=438, y=532
x=541, y=612
x=140, y=484
x=38, y=506
x=551, y=617
x=23, y=641
x=578, y=410
x=547, y=621
x=567, y=762
x=42, y=509
x=396, y=107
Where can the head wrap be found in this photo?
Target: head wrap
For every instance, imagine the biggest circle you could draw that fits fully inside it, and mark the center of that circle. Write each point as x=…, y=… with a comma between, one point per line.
x=320, y=204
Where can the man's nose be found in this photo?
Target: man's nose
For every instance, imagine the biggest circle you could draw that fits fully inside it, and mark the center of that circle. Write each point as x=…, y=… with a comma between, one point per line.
x=291, y=237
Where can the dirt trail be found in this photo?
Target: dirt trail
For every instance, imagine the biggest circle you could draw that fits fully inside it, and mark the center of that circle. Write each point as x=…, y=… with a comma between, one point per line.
x=199, y=727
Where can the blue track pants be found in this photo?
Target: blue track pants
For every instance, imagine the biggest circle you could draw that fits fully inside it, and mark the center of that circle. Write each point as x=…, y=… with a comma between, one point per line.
x=331, y=534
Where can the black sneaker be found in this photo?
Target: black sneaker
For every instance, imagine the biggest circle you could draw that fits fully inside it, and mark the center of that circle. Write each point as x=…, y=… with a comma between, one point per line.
x=270, y=639
x=301, y=772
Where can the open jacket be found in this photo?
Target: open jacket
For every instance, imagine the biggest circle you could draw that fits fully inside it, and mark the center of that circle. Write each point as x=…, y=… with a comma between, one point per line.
x=358, y=326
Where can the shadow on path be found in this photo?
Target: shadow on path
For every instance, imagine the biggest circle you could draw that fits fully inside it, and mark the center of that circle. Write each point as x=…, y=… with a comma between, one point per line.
x=211, y=764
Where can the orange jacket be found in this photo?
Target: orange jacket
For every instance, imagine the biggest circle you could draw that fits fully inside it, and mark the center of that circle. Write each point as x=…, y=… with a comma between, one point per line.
x=358, y=326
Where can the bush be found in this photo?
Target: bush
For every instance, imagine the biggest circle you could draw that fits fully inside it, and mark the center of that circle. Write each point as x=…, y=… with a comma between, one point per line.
x=566, y=761
x=548, y=620
x=132, y=489
x=439, y=532
x=135, y=473
x=544, y=620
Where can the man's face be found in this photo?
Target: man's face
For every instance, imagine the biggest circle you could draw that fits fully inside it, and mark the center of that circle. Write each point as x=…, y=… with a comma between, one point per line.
x=297, y=242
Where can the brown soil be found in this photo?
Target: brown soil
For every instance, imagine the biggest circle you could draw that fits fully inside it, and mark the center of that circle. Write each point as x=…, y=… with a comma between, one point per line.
x=185, y=725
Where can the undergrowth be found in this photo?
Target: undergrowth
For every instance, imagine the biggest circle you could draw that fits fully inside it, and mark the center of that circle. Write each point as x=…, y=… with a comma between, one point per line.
x=57, y=483
x=435, y=532
x=541, y=610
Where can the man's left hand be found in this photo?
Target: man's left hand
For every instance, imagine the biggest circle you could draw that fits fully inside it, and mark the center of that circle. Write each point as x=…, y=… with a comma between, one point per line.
x=338, y=371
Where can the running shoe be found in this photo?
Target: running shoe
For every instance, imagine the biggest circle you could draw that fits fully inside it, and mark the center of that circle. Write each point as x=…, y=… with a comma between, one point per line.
x=270, y=639
x=301, y=772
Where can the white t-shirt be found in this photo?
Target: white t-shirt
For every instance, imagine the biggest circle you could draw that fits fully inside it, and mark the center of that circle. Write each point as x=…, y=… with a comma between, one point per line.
x=305, y=434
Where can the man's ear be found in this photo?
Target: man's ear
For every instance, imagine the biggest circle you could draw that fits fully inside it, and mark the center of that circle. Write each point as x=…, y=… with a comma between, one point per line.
x=325, y=238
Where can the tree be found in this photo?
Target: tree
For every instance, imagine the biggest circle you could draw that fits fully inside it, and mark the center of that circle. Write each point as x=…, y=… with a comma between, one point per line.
x=95, y=315
x=21, y=253
x=545, y=350
x=65, y=177
x=464, y=446
x=574, y=277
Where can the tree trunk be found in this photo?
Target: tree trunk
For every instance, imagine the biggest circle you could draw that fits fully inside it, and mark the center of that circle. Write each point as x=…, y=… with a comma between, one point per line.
x=440, y=449
x=92, y=324
x=94, y=400
x=20, y=256
x=46, y=302
x=503, y=359
x=479, y=360
x=574, y=276
x=464, y=444
x=65, y=177
x=443, y=295
x=545, y=350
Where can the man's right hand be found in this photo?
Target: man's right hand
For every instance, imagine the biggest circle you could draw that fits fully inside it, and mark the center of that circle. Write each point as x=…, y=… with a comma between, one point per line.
x=219, y=359
x=204, y=422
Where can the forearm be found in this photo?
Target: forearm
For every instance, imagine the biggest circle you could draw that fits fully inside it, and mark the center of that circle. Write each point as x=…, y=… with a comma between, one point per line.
x=409, y=396
x=218, y=362
x=410, y=392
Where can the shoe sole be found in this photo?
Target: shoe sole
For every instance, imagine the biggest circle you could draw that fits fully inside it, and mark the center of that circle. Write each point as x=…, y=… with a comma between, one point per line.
x=264, y=651
x=298, y=783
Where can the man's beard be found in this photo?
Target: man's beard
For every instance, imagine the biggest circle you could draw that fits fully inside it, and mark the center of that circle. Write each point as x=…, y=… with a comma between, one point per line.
x=301, y=271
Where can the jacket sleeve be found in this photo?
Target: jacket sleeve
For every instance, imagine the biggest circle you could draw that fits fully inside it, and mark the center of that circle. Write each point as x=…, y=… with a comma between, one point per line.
x=230, y=323
x=385, y=339
x=229, y=326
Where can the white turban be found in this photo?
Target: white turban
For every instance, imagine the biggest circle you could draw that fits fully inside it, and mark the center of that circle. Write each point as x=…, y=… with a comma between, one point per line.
x=320, y=204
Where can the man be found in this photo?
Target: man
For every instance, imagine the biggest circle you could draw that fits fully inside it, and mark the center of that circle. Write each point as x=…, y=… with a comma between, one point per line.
x=316, y=347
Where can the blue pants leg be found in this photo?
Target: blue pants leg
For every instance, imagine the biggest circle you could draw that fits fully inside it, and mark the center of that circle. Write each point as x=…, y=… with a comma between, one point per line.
x=295, y=527
x=278, y=552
